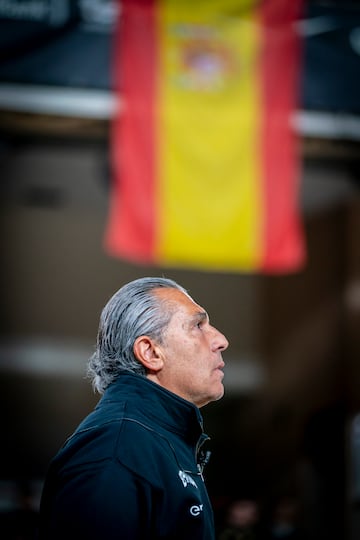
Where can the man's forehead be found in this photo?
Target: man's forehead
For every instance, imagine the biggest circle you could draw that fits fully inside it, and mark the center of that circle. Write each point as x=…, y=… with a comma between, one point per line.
x=181, y=299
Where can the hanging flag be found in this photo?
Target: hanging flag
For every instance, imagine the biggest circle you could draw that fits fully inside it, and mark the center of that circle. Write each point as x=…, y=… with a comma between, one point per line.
x=206, y=166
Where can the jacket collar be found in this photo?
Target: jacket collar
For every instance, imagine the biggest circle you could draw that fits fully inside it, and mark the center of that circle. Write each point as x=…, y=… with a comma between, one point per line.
x=153, y=402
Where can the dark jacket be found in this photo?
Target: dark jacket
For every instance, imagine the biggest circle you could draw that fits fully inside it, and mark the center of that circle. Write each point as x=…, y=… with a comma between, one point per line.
x=130, y=471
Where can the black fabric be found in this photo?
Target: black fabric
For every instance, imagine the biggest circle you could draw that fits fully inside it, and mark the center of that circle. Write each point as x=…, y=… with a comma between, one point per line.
x=130, y=471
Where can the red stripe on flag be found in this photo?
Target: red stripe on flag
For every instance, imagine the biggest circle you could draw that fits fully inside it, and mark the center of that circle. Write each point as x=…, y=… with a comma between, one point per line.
x=131, y=228
x=283, y=242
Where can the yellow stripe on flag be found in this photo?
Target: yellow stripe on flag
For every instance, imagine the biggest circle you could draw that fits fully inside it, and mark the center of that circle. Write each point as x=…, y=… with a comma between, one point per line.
x=209, y=147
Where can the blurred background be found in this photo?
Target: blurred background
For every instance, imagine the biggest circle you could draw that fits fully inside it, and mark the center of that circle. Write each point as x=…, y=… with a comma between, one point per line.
x=288, y=424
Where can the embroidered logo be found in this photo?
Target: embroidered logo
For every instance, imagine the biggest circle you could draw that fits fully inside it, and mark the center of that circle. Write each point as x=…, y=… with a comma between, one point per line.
x=196, y=509
x=186, y=479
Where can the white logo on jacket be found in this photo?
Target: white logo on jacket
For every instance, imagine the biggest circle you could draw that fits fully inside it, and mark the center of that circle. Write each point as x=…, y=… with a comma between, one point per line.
x=196, y=509
x=186, y=479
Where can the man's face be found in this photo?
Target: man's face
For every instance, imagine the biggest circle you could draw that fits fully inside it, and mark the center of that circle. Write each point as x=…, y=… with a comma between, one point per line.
x=191, y=349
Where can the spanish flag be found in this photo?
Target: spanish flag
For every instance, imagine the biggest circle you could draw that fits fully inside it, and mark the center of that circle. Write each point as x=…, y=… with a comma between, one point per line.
x=205, y=162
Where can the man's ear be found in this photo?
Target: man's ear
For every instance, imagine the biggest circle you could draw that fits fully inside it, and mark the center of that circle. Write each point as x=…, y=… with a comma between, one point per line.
x=148, y=353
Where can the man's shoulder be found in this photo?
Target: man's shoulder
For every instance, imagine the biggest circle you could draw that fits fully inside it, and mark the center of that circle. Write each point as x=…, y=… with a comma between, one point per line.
x=120, y=449
x=120, y=435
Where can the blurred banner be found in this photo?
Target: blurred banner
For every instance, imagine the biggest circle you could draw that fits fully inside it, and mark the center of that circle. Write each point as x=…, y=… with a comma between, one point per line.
x=62, y=43
x=206, y=164
x=50, y=42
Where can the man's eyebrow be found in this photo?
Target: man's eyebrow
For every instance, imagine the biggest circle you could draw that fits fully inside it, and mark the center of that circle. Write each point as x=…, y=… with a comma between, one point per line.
x=201, y=316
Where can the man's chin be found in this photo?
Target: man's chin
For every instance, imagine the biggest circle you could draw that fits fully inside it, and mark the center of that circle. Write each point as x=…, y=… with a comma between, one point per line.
x=221, y=393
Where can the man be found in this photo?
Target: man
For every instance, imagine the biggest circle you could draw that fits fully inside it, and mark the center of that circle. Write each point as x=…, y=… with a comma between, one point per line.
x=133, y=468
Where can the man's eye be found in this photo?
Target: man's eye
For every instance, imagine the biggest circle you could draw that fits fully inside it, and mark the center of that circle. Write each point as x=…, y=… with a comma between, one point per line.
x=199, y=324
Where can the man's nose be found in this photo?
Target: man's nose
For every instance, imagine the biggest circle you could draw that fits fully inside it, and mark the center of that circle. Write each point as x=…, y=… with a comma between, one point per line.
x=220, y=343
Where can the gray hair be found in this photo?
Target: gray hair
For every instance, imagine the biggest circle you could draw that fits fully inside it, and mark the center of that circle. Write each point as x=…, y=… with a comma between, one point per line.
x=133, y=311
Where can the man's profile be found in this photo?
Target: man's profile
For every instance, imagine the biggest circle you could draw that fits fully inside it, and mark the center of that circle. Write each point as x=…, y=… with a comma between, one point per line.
x=133, y=468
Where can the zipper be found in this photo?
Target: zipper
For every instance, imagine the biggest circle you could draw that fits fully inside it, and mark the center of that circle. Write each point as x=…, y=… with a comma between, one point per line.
x=202, y=458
